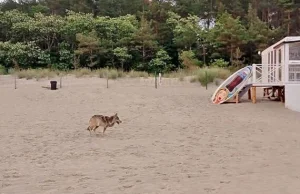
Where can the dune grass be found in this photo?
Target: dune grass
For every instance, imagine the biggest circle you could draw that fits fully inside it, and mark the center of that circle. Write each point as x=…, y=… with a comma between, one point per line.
x=181, y=74
x=208, y=75
x=135, y=74
x=35, y=74
x=82, y=72
x=202, y=75
x=115, y=74
x=78, y=73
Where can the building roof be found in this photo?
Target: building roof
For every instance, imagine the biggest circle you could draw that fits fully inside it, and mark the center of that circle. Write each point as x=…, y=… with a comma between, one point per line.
x=288, y=39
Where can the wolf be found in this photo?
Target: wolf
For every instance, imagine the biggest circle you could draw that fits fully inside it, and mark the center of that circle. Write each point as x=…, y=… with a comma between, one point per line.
x=104, y=121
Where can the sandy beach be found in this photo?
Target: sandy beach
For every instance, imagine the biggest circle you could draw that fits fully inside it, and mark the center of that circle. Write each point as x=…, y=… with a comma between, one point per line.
x=172, y=140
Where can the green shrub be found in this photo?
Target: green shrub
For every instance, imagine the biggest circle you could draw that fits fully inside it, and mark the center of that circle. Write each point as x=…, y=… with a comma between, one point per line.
x=189, y=60
x=161, y=63
x=11, y=71
x=221, y=63
x=2, y=70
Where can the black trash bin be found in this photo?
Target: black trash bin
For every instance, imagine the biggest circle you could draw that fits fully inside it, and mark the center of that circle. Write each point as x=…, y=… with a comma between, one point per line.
x=53, y=85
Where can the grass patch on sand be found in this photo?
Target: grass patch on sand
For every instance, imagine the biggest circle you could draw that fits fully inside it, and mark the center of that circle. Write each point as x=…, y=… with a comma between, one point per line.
x=35, y=74
x=180, y=74
x=135, y=74
x=202, y=75
x=82, y=72
x=208, y=75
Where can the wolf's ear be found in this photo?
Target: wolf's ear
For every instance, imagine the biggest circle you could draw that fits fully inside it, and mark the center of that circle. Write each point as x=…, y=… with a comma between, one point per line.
x=116, y=114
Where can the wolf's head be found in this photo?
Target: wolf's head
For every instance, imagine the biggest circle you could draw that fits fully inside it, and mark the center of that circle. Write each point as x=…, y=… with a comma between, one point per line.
x=116, y=118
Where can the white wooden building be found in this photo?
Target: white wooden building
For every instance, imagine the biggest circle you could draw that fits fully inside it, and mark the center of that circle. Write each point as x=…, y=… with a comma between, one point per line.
x=280, y=67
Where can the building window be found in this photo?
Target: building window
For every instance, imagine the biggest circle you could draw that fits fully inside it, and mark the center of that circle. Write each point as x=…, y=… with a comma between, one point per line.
x=268, y=58
x=294, y=52
x=279, y=56
x=275, y=56
x=294, y=72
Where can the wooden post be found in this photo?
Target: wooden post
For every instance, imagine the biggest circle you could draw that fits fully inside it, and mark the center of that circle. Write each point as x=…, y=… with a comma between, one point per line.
x=107, y=78
x=249, y=94
x=254, y=73
x=237, y=98
x=16, y=68
x=15, y=81
x=206, y=80
x=159, y=79
x=253, y=94
x=283, y=95
x=155, y=80
x=280, y=96
x=60, y=82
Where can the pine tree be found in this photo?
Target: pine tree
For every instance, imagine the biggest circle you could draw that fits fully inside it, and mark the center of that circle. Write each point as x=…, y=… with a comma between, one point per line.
x=145, y=40
x=228, y=34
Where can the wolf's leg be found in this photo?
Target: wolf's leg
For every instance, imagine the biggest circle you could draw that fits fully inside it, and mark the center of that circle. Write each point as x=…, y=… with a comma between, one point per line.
x=95, y=128
x=89, y=129
x=104, y=129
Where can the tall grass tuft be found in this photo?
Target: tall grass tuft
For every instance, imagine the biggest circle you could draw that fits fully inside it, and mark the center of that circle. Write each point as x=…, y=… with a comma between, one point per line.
x=101, y=73
x=121, y=73
x=135, y=74
x=206, y=76
x=82, y=72
x=113, y=74
x=181, y=73
x=35, y=73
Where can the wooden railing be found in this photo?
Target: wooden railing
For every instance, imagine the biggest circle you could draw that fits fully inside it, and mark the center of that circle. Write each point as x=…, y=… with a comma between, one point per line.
x=267, y=75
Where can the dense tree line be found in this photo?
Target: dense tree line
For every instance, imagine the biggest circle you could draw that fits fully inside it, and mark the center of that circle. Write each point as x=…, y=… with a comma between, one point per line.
x=157, y=35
